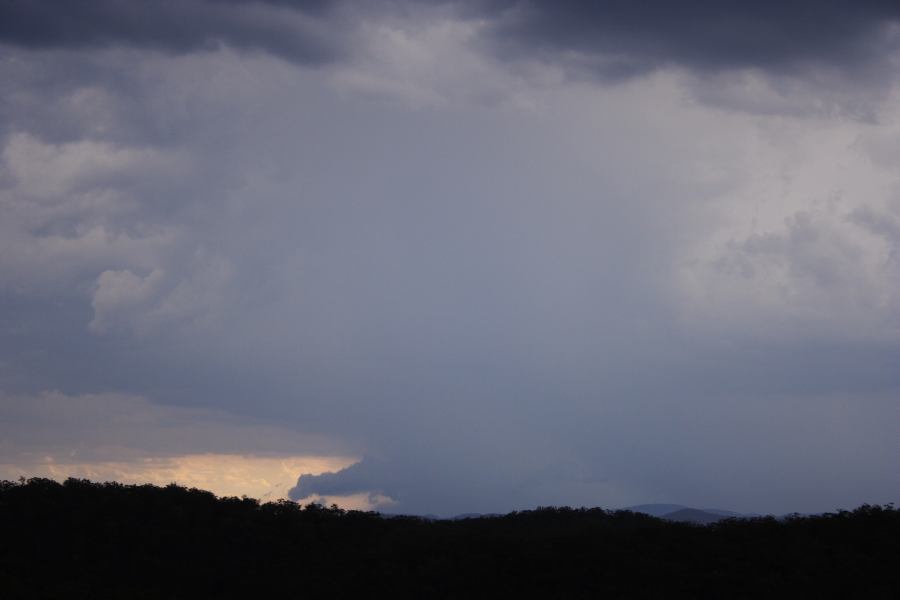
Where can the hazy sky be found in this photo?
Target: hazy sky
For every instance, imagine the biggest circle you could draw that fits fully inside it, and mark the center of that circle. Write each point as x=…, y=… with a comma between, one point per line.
x=443, y=257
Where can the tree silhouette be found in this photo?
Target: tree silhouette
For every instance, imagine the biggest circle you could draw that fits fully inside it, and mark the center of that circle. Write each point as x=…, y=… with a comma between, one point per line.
x=79, y=539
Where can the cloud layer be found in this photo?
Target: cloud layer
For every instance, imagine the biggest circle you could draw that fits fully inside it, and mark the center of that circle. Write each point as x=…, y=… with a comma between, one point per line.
x=504, y=254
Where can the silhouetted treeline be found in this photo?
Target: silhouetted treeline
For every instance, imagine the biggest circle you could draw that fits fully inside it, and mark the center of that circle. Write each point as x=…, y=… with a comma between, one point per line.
x=88, y=540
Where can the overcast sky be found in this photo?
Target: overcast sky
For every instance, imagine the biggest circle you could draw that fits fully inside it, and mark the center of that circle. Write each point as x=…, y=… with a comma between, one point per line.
x=445, y=257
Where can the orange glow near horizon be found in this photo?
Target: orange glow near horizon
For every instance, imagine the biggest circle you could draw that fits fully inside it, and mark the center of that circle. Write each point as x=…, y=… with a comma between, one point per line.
x=262, y=477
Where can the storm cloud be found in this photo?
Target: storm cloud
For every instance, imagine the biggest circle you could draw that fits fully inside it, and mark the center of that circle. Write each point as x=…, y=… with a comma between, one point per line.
x=617, y=39
x=611, y=38
x=499, y=254
x=293, y=31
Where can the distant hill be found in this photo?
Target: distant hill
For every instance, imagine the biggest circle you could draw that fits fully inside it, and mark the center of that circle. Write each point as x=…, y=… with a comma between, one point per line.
x=729, y=513
x=687, y=514
x=655, y=510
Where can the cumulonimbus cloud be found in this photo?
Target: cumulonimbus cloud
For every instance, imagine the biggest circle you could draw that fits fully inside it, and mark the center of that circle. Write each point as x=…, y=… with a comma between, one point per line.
x=527, y=289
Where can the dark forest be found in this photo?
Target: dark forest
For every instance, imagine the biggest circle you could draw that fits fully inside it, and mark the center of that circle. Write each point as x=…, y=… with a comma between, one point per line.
x=80, y=539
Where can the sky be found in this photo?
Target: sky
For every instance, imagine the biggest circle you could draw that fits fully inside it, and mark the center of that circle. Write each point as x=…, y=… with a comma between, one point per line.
x=454, y=256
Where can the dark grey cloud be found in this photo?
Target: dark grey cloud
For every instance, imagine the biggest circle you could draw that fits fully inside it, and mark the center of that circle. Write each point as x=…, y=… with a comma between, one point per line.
x=616, y=39
x=368, y=476
x=610, y=38
x=291, y=30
